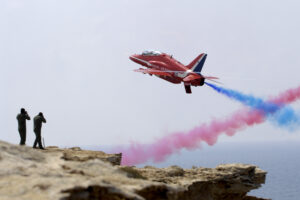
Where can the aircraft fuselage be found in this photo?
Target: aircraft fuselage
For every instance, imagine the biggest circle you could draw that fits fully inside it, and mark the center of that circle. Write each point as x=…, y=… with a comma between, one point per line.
x=166, y=63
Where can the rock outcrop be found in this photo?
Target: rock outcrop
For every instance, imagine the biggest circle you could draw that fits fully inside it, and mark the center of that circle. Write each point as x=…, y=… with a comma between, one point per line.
x=65, y=174
x=77, y=154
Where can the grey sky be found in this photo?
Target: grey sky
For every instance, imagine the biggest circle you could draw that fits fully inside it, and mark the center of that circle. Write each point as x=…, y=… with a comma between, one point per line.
x=69, y=59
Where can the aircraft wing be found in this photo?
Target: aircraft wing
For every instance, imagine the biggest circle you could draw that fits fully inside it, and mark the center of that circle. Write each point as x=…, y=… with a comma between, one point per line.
x=153, y=71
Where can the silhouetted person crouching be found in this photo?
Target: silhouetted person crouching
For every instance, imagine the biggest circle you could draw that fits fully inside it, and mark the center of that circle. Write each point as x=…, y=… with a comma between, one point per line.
x=22, y=117
x=37, y=127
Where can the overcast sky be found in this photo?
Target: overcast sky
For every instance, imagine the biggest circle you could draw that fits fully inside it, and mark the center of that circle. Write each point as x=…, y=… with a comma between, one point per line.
x=69, y=59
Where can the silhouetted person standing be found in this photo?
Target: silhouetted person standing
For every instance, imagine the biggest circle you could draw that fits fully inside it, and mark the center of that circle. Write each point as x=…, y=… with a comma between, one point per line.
x=22, y=117
x=37, y=127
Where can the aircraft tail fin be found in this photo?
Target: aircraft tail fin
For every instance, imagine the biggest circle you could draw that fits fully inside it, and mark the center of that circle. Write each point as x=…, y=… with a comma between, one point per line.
x=197, y=64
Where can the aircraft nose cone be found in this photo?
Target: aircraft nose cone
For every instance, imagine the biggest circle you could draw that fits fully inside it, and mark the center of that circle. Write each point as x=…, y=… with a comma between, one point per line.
x=133, y=57
x=138, y=59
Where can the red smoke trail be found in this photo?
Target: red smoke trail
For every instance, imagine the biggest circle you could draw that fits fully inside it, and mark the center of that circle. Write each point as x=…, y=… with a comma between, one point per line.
x=288, y=96
x=209, y=133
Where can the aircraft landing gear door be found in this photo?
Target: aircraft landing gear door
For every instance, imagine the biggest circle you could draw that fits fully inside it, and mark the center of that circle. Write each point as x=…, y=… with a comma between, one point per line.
x=188, y=89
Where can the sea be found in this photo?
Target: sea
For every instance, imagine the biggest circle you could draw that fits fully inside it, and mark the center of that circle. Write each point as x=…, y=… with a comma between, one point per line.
x=281, y=160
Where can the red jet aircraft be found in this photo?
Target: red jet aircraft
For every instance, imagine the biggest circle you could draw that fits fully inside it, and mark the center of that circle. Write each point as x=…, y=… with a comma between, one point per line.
x=166, y=67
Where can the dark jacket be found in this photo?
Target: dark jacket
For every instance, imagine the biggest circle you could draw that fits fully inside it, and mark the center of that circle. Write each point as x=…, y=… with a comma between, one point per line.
x=22, y=117
x=37, y=123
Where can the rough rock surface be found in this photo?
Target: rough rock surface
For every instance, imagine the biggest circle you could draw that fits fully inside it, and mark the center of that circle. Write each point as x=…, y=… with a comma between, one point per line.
x=77, y=154
x=63, y=174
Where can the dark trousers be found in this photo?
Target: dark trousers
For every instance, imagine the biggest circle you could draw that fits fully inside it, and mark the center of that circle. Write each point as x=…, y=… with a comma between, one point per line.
x=38, y=139
x=22, y=133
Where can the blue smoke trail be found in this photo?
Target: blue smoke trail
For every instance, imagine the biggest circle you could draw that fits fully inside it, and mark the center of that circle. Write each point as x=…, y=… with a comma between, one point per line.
x=282, y=115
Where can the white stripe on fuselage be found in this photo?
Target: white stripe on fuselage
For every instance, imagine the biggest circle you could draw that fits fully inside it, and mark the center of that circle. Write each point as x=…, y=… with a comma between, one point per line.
x=180, y=74
x=143, y=61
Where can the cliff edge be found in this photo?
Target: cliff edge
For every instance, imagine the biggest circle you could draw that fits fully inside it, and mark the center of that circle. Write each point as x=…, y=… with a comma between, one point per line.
x=73, y=173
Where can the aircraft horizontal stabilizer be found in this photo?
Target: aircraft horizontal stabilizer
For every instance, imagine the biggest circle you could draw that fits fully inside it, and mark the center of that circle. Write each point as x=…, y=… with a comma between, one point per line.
x=190, y=78
x=212, y=78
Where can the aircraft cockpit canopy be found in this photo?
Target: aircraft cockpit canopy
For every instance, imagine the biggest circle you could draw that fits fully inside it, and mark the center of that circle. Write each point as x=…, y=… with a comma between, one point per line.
x=151, y=53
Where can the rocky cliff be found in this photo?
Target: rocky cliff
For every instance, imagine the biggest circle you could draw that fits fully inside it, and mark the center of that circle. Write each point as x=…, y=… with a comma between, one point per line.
x=63, y=174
